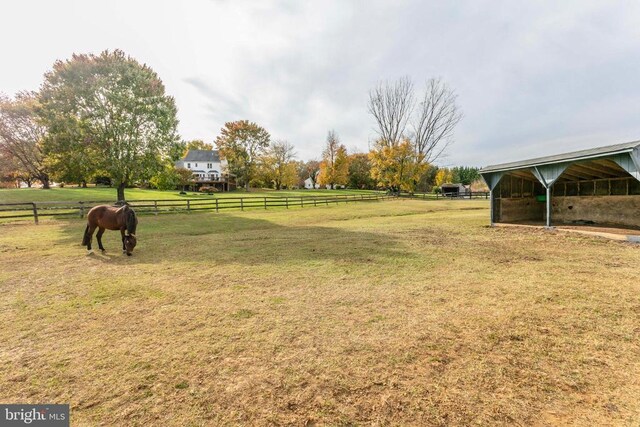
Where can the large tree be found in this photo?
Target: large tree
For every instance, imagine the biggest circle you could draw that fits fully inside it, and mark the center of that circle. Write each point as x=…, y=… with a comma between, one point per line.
x=432, y=118
x=396, y=166
x=242, y=144
x=334, y=168
x=21, y=137
x=360, y=171
x=112, y=112
x=279, y=166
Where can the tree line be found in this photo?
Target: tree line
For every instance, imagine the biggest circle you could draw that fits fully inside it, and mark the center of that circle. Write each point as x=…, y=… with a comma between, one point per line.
x=107, y=118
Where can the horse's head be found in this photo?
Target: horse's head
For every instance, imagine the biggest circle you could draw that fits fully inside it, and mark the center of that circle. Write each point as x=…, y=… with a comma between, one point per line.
x=130, y=242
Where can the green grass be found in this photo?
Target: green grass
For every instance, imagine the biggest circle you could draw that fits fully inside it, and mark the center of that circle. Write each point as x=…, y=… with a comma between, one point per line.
x=400, y=312
x=109, y=194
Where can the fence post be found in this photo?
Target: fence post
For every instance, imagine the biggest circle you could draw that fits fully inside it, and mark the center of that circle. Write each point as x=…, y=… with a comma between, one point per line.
x=81, y=209
x=301, y=202
x=286, y=201
x=315, y=202
x=35, y=213
x=326, y=200
x=216, y=205
x=155, y=206
x=188, y=205
x=265, y=203
x=241, y=203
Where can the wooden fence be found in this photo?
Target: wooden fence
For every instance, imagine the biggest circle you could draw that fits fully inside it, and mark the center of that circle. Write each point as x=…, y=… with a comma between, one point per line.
x=36, y=210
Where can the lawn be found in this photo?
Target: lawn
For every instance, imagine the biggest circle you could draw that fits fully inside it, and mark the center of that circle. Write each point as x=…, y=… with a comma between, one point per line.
x=109, y=194
x=399, y=312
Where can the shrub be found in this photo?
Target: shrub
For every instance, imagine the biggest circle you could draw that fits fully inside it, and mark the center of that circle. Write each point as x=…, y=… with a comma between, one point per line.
x=208, y=190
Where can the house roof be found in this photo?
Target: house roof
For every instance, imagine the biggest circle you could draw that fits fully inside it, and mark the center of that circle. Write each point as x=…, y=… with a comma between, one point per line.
x=211, y=156
x=591, y=153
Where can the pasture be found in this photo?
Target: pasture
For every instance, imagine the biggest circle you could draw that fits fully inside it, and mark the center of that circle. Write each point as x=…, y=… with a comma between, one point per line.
x=400, y=312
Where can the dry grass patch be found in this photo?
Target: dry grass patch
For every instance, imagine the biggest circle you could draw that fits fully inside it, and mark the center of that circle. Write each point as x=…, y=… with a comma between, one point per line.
x=398, y=312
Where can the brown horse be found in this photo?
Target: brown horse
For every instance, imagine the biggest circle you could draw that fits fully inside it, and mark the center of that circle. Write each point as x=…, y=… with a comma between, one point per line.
x=105, y=217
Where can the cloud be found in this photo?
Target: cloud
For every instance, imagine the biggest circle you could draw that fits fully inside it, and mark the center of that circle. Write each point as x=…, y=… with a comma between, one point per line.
x=532, y=78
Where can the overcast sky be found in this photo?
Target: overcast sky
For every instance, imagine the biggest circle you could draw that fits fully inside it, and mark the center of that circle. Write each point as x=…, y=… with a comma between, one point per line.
x=532, y=78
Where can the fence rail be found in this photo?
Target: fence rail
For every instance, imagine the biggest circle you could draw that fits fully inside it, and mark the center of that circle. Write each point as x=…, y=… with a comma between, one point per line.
x=438, y=196
x=37, y=210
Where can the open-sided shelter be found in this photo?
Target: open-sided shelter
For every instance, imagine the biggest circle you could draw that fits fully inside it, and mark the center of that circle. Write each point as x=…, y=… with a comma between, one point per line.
x=596, y=186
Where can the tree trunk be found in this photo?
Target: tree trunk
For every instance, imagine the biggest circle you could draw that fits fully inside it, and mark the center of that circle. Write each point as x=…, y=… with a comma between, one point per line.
x=246, y=186
x=45, y=183
x=84, y=184
x=121, y=192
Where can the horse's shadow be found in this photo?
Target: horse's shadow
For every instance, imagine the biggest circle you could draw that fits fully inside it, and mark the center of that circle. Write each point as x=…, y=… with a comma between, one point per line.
x=111, y=256
x=225, y=238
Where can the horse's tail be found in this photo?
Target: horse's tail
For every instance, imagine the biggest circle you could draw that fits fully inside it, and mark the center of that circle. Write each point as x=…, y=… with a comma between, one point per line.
x=86, y=238
x=131, y=221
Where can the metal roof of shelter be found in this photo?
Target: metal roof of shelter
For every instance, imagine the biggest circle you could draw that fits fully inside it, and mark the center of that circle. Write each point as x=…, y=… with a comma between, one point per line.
x=573, y=156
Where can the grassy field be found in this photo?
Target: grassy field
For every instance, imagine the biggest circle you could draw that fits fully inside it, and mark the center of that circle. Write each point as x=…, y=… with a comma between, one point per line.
x=400, y=312
x=109, y=194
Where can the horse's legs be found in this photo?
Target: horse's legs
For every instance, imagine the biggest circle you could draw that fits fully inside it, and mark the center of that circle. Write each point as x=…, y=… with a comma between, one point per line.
x=124, y=248
x=99, y=237
x=92, y=228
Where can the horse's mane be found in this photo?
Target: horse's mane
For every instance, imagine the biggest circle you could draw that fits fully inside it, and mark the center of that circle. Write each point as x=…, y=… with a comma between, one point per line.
x=130, y=220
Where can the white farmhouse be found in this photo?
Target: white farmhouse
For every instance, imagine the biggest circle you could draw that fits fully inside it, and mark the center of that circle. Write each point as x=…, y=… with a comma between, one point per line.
x=208, y=169
x=308, y=184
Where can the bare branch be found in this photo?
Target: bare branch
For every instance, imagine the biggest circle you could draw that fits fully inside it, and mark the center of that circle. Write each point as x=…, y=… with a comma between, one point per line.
x=391, y=104
x=435, y=120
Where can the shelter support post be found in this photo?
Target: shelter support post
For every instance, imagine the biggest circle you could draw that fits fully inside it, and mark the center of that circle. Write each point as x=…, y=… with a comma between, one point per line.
x=547, y=175
x=548, y=207
x=491, y=179
x=491, y=206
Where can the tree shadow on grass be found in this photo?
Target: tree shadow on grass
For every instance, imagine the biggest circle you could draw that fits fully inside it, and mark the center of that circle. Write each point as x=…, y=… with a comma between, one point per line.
x=221, y=239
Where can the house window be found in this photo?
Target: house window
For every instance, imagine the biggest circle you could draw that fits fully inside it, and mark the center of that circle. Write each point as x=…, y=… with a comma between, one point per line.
x=209, y=165
x=196, y=165
x=189, y=165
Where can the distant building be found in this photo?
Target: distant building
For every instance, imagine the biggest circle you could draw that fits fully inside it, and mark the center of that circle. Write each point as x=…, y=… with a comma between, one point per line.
x=455, y=190
x=208, y=170
x=308, y=184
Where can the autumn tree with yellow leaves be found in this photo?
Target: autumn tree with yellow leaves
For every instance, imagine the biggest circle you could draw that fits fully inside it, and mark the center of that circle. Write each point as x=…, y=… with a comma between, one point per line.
x=396, y=166
x=277, y=166
x=334, y=168
x=400, y=157
x=444, y=176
